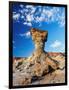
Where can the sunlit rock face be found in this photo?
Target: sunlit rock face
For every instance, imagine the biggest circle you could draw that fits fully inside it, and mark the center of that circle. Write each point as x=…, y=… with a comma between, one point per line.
x=39, y=38
x=40, y=64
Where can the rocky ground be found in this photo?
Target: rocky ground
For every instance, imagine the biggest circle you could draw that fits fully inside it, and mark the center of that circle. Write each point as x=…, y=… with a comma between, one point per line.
x=24, y=73
x=41, y=67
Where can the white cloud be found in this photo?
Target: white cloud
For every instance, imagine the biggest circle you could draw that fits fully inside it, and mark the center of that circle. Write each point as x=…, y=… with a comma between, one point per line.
x=56, y=44
x=27, y=34
x=21, y=5
x=29, y=6
x=29, y=17
x=61, y=21
x=54, y=15
x=21, y=11
x=40, y=19
x=49, y=15
x=27, y=23
x=14, y=12
x=32, y=8
x=22, y=16
x=16, y=16
x=45, y=15
x=28, y=20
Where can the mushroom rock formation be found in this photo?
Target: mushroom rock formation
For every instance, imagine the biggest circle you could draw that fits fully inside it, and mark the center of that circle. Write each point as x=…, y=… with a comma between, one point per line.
x=40, y=56
x=39, y=37
x=38, y=63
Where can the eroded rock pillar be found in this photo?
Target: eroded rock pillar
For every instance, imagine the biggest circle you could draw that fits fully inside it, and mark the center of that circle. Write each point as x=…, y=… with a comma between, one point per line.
x=39, y=37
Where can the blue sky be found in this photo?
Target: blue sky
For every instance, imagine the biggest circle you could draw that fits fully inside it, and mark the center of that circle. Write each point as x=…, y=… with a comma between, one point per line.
x=48, y=18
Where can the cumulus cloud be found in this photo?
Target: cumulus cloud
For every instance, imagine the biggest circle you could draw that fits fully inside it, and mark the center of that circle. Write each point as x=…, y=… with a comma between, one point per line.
x=16, y=16
x=27, y=34
x=56, y=44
